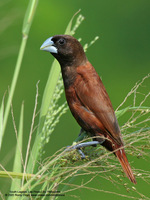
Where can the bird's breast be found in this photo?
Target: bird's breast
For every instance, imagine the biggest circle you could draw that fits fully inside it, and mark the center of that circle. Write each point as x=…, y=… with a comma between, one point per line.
x=85, y=118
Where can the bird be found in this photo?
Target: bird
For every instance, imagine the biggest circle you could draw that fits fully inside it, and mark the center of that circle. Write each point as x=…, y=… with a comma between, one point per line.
x=87, y=97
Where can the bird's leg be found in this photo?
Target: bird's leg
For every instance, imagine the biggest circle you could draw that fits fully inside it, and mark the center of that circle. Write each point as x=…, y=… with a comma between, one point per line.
x=81, y=131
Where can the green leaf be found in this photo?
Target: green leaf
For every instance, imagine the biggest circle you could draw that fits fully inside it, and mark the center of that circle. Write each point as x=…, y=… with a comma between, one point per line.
x=17, y=175
x=1, y=122
x=16, y=183
x=69, y=27
x=119, y=113
x=29, y=16
x=26, y=27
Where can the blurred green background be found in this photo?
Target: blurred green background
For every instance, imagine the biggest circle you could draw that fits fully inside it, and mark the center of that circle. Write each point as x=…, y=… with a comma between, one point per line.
x=121, y=57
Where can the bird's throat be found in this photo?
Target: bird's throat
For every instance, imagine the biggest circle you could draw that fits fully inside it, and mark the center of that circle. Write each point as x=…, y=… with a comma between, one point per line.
x=69, y=75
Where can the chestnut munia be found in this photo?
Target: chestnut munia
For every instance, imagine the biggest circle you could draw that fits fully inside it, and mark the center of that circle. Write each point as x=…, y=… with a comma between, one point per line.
x=87, y=97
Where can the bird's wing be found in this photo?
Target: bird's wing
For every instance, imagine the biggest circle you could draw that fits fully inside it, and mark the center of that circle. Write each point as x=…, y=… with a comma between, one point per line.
x=91, y=92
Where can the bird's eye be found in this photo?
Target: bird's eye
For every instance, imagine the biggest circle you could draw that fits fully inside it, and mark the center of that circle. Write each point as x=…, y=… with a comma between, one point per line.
x=61, y=41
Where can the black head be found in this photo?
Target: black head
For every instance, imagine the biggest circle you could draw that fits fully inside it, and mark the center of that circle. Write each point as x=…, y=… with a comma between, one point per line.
x=66, y=49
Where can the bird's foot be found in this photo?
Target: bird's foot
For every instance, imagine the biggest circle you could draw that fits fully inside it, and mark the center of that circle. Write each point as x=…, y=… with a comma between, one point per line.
x=81, y=145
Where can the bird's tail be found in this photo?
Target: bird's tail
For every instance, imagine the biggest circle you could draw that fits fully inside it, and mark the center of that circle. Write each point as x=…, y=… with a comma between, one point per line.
x=121, y=155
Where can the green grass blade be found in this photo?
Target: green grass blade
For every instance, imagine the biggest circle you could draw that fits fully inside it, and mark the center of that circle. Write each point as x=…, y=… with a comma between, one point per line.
x=69, y=27
x=1, y=122
x=17, y=175
x=48, y=92
x=29, y=15
x=26, y=27
x=18, y=161
x=14, y=81
x=121, y=112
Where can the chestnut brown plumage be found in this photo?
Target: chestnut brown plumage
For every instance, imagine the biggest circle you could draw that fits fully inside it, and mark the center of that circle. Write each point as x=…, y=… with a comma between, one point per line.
x=86, y=95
